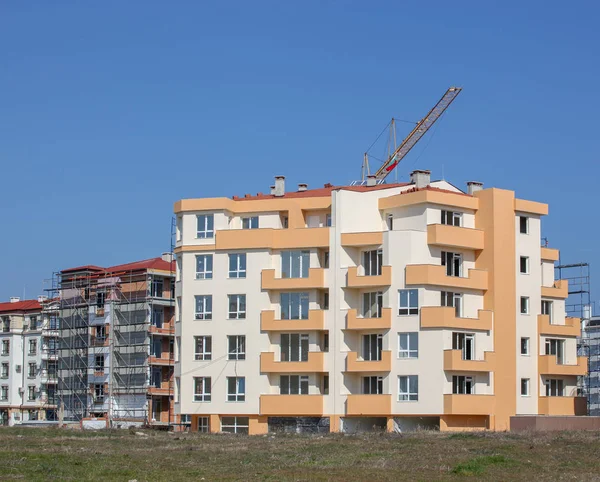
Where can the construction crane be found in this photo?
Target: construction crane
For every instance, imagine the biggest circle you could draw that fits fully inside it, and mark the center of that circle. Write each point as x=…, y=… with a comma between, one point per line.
x=419, y=131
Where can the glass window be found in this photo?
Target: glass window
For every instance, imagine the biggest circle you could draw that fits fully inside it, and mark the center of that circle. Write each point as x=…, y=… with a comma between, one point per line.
x=204, y=307
x=32, y=370
x=525, y=387
x=325, y=385
x=205, y=223
x=237, y=265
x=524, y=305
x=5, y=347
x=5, y=370
x=408, y=303
x=202, y=389
x=524, y=224
x=524, y=265
x=294, y=306
x=524, y=346
x=465, y=342
x=408, y=388
x=555, y=346
x=554, y=387
x=4, y=393
x=372, y=347
x=453, y=300
x=372, y=385
x=250, y=223
x=451, y=218
x=237, y=307
x=453, y=263
x=293, y=384
x=99, y=364
x=372, y=304
x=372, y=262
x=408, y=344
x=547, y=309
x=204, y=266
x=295, y=264
x=236, y=389
x=237, y=347
x=31, y=392
x=204, y=424
x=294, y=347
x=156, y=288
x=462, y=385
x=203, y=347
x=328, y=220
x=234, y=425
x=32, y=347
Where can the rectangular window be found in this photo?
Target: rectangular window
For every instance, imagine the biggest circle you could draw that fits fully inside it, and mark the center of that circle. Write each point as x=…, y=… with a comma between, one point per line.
x=203, y=424
x=234, y=425
x=372, y=304
x=524, y=305
x=4, y=370
x=555, y=346
x=408, y=302
x=236, y=389
x=32, y=370
x=32, y=347
x=408, y=388
x=237, y=265
x=547, y=309
x=204, y=266
x=465, y=342
x=294, y=306
x=33, y=321
x=250, y=223
x=294, y=347
x=101, y=333
x=372, y=262
x=326, y=300
x=453, y=300
x=203, y=307
x=390, y=222
x=205, y=226
x=524, y=225
x=326, y=259
x=372, y=347
x=4, y=393
x=453, y=263
x=293, y=384
x=5, y=347
x=158, y=315
x=203, y=348
x=100, y=299
x=31, y=393
x=554, y=387
x=525, y=387
x=325, y=385
x=462, y=385
x=524, y=265
x=99, y=363
x=237, y=307
x=372, y=385
x=451, y=218
x=5, y=324
x=408, y=345
x=236, y=347
x=328, y=220
x=524, y=346
x=325, y=344
x=201, y=389
x=157, y=288
x=295, y=264
x=99, y=392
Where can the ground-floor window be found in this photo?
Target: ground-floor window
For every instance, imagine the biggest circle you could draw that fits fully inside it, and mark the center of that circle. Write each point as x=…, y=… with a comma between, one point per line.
x=203, y=424
x=234, y=424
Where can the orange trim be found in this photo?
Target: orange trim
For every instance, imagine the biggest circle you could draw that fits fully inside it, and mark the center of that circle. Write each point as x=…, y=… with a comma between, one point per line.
x=315, y=364
x=445, y=317
x=315, y=280
x=531, y=207
x=458, y=200
x=469, y=404
x=356, y=281
x=353, y=322
x=454, y=236
x=315, y=321
x=377, y=405
x=194, y=247
x=453, y=362
x=362, y=239
x=549, y=254
x=548, y=366
x=559, y=290
x=272, y=238
x=353, y=364
x=562, y=406
x=291, y=405
x=430, y=274
x=572, y=327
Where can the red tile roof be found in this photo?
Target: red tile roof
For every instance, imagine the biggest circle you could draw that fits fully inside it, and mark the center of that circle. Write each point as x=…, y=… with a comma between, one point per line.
x=20, y=306
x=433, y=188
x=152, y=263
x=324, y=191
x=87, y=267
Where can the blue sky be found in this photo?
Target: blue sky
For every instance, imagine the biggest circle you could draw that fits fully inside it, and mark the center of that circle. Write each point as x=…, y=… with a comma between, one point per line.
x=111, y=111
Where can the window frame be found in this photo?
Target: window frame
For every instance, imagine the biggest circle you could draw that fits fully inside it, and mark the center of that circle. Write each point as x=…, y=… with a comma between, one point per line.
x=207, y=273
x=450, y=218
x=5, y=370
x=99, y=367
x=32, y=347
x=288, y=300
x=250, y=222
x=5, y=347
x=206, y=345
x=372, y=262
x=548, y=305
x=239, y=311
x=238, y=425
x=372, y=385
x=289, y=350
x=408, y=395
x=525, y=384
x=463, y=385
x=238, y=343
x=526, y=306
x=367, y=348
x=367, y=309
x=410, y=352
x=526, y=266
x=241, y=268
x=203, y=425
x=525, y=339
x=205, y=395
x=451, y=261
x=238, y=395
x=31, y=370
x=456, y=301
x=207, y=231
x=206, y=305
x=521, y=219
x=411, y=294
x=290, y=257
x=302, y=385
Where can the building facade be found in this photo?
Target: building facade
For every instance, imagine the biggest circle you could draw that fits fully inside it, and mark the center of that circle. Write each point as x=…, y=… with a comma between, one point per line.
x=391, y=306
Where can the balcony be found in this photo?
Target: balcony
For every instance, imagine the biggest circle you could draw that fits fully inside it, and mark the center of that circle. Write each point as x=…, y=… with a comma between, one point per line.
x=430, y=274
x=562, y=406
x=50, y=332
x=572, y=327
x=454, y=237
x=549, y=254
x=48, y=378
x=314, y=364
x=354, y=322
x=445, y=317
x=166, y=330
x=315, y=280
x=163, y=360
x=469, y=404
x=369, y=405
x=162, y=391
x=49, y=355
x=356, y=281
x=547, y=365
x=99, y=341
x=291, y=405
x=314, y=322
x=362, y=239
x=559, y=290
x=454, y=362
x=269, y=238
x=354, y=365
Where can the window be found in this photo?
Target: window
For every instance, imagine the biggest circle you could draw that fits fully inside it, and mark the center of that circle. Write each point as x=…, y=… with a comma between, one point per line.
x=234, y=425
x=4, y=370
x=5, y=347
x=205, y=226
x=547, y=309
x=203, y=424
x=325, y=344
x=250, y=223
x=32, y=347
x=33, y=322
x=236, y=389
x=325, y=384
x=295, y=264
x=462, y=385
x=372, y=262
x=408, y=344
x=326, y=259
x=204, y=307
x=390, y=222
x=100, y=299
x=372, y=385
x=524, y=265
x=5, y=324
x=237, y=307
x=524, y=346
x=4, y=393
x=99, y=392
x=32, y=370
x=453, y=263
x=524, y=305
x=408, y=303
x=326, y=300
x=454, y=300
x=237, y=347
x=156, y=288
x=523, y=225
x=101, y=332
x=451, y=218
x=372, y=347
x=372, y=304
x=408, y=388
x=328, y=220
x=201, y=389
x=294, y=306
x=555, y=346
x=237, y=265
x=204, y=266
x=293, y=384
x=99, y=363
x=294, y=347
x=158, y=317
x=524, y=387
x=465, y=342
x=554, y=387
x=31, y=393
x=203, y=346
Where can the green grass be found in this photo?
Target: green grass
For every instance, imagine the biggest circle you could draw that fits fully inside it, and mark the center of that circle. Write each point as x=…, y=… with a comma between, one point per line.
x=477, y=465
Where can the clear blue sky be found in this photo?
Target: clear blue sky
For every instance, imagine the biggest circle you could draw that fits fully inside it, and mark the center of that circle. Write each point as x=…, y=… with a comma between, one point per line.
x=111, y=111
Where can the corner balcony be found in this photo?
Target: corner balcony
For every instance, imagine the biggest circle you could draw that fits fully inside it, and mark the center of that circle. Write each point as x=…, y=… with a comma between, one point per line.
x=454, y=362
x=549, y=254
x=445, y=317
x=547, y=365
x=315, y=280
x=314, y=322
x=560, y=289
x=354, y=322
x=369, y=405
x=435, y=275
x=572, y=327
x=454, y=237
x=291, y=405
x=562, y=406
x=469, y=404
x=354, y=365
x=314, y=364
x=362, y=239
x=356, y=281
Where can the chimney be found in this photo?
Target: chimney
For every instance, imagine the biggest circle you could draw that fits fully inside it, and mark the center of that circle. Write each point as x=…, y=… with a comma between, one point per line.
x=302, y=187
x=15, y=299
x=420, y=179
x=371, y=180
x=168, y=257
x=279, y=186
x=272, y=190
x=474, y=186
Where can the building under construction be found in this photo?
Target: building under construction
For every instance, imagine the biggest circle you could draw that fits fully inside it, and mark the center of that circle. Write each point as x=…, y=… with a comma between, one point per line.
x=116, y=342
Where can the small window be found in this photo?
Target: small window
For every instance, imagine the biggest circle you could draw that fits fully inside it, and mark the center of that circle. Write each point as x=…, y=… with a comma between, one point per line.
x=32, y=347
x=31, y=393
x=202, y=389
x=451, y=218
x=524, y=387
x=390, y=222
x=524, y=305
x=524, y=225
x=453, y=263
x=372, y=304
x=408, y=388
x=463, y=385
x=325, y=345
x=5, y=347
x=294, y=306
x=236, y=347
x=547, y=309
x=203, y=348
x=236, y=389
x=204, y=266
x=326, y=300
x=524, y=265
x=554, y=387
x=4, y=393
x=524, y=346
x=205, y=226
x=5, y=370
x=99, y=364
x=293, y=384
x=328, y=220
x=99, y=392
x=373, y=262
x=408, y=303
x=204, y=424
x=372, y=385
x=32, y=370
x=295, y=264
x=325, y=384
x=453, y=300
x=237, y=307
x=237, y=265
x=250, y=223
x=235, y=425
x=408, y=345
x=204, y=307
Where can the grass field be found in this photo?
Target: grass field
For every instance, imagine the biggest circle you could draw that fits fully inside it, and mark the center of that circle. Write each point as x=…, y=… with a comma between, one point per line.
x=46, y=454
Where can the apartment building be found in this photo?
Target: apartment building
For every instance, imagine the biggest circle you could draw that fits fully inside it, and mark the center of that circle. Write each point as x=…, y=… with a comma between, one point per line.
x=391, y=306
x=116, y=350
x=28, y=371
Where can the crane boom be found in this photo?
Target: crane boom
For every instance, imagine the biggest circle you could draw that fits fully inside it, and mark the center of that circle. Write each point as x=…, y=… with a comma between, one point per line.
x=419, y=131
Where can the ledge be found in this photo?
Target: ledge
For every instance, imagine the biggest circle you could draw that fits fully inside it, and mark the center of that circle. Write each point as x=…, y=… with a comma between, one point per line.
x=454, y=237
x=314, y=364
x=445, y=317
x=356, y=281
x=572, y=327
x=354, y=365
x=370, y=405
x=315, y=321
x=315, y=280
x=353, y=322
x=435, y=275
x=291, y=405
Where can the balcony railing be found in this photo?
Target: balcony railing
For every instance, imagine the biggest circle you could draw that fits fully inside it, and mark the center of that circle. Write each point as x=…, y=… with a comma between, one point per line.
x=369, y=405
x=454, y=237
x=314, y=364
x=572, y=327
x=560, y=290
x=469, y=404
x=562, y=406
x=435, y=275
x=353, y=364
x=369, y=281
x=445, y=317
x=315, y=280
x=453, y=361
x=354, y=322
x=548, y=365
x=315, y=321
x=291, y=405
